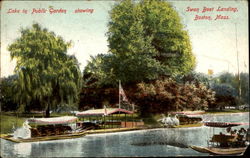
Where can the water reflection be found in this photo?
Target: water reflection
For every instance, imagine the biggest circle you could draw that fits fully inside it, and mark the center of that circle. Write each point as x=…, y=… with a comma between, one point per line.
x=162, y=137
x=155, y=142
x=22, y=148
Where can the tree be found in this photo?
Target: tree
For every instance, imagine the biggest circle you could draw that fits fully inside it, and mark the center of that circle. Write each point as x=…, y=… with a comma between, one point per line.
x=194, y=77
x=232, y=81
x=225, y=95
x=244, y=79
x=146, y=42
x=108, y=69
x=44, y=70
x=153, y=28
x=167, y=95
x=6, y=96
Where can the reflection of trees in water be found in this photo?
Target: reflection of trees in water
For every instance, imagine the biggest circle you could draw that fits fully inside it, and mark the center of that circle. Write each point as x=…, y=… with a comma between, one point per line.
x=94, y=142
x=234, y=117
x=23, y=148
x=162, y=137
x=9, y=147
x=60, y=148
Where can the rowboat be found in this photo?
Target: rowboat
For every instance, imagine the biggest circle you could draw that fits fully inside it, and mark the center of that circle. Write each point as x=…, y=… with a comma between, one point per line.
x=225, y=144
x=220, y=151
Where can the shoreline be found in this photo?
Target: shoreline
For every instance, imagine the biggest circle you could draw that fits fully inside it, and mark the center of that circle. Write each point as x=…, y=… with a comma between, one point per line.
x=90, y=132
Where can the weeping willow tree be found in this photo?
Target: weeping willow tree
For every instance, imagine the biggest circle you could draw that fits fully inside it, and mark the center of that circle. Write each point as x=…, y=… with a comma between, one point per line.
x=44, y=70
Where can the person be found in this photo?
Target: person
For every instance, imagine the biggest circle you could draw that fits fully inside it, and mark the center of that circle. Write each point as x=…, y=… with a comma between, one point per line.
x=242, y=131
x=233, y=132
x=228, y=129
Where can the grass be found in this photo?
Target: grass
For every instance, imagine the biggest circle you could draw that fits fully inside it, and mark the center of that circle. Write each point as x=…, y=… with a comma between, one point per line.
x=151, y=121
x=7, y=122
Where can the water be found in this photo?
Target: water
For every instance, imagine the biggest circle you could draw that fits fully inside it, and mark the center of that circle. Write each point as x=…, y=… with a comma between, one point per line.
x=154, y=142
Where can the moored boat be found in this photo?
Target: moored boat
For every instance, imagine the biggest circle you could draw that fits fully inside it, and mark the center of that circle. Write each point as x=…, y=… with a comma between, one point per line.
x=189, y=112
x=56, y=128
x=41, y=129
x=225, y=144
x=220, y=151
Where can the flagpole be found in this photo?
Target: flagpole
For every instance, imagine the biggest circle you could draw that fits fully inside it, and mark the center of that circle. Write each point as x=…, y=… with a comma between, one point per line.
x=239, y=84
x=119, y=94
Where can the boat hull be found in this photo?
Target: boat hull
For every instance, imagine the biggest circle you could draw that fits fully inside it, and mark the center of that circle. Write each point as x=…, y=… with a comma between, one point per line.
x=44, y=138
x=219, y=151
x=69, y=136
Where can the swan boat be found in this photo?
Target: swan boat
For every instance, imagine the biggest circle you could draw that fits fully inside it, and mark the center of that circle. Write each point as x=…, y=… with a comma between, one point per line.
x=43, y=129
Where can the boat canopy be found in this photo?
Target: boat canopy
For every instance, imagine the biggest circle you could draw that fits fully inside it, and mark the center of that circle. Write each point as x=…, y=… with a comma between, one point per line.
x=188, y=112
x=221, y=124
x=103, y=112
x=53, y=120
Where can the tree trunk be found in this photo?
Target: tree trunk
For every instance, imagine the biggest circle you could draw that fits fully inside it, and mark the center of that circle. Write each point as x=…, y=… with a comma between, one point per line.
x=47, y=114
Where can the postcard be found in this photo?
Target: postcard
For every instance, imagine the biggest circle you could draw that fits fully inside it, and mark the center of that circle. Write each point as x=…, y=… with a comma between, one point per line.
x=131, y=78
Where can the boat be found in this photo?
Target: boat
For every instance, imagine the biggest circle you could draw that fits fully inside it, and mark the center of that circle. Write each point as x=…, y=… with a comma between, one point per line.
x=189, y=112
x=220, y=151
x=66, y=127
x=225, y=144
x=44, y=138
x=43, y=129
x=57, y=128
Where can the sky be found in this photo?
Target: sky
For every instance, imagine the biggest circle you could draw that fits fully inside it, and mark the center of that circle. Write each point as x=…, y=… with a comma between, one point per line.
x=213, y=41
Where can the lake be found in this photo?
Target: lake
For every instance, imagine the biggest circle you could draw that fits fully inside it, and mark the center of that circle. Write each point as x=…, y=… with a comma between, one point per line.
x=153, y=142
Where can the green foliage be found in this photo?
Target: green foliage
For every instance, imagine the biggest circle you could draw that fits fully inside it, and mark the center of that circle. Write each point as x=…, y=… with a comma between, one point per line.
x=225, y=95
x=227, y=78
x=146, y=41
x=233, y=81
x=7, y=123
x=44, y=71
x=153, y=28
x=6, y=97
x=244, y=80
x=109, y=69
x=194, y=77
x=224, y=90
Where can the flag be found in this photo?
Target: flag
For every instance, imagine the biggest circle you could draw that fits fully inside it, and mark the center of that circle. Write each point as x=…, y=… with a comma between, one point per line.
x=105, y=110
x=122, y=93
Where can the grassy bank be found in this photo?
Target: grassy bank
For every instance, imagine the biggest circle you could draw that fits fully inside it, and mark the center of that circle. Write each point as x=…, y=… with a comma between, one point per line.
x=7, y=122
